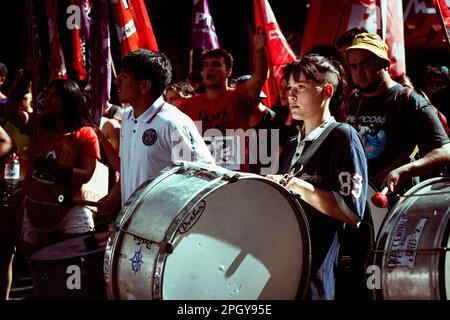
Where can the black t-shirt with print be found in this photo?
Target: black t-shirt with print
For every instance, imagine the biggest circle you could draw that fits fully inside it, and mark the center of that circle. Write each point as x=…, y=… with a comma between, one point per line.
x=338, y=165
x=392, y=124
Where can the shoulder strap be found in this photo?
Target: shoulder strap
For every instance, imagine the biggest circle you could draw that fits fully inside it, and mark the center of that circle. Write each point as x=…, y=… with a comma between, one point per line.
x=306, y=156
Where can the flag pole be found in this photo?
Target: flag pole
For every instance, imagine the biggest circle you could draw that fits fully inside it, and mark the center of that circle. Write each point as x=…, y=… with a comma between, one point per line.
x=444, y=27
x=341, y=16
x=191, y=60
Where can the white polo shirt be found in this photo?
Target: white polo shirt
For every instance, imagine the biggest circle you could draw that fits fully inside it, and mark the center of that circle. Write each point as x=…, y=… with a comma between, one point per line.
x=147, y=146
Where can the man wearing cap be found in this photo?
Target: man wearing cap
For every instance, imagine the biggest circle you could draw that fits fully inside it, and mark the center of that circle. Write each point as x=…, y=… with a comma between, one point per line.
x=390, y=122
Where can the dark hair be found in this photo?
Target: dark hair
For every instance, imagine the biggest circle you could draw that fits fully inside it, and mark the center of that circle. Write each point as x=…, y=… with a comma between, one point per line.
x=75, y=109
x=219, y=53
x=3, y=70
x=346, y=39
x=323, y=70
x=184, y=89
x=145, y=64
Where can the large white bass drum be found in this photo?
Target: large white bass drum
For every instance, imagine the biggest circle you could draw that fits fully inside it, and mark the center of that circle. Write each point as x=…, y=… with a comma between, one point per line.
x=204, y=232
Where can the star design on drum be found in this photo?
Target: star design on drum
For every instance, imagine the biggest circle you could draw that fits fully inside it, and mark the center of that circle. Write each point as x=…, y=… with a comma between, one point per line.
x=136, y=261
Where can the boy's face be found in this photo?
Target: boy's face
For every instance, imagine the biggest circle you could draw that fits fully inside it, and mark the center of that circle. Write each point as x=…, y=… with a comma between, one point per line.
x=215, y=72
x=128, y=88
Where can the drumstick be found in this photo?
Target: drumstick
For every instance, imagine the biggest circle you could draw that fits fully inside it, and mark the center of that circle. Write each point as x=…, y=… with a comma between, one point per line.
x=379, y=199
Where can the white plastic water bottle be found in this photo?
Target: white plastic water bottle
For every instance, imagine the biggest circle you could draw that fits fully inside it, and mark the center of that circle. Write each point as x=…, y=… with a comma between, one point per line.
x=11, y=177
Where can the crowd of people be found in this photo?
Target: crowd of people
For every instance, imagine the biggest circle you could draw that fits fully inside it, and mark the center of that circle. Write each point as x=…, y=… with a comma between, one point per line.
x=341, y=122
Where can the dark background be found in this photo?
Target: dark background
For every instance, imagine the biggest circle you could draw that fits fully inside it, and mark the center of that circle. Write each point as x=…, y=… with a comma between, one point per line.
x=171, y=20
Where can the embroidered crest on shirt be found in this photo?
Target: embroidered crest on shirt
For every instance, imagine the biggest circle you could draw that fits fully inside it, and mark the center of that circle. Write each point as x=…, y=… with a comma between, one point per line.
x=149, y=137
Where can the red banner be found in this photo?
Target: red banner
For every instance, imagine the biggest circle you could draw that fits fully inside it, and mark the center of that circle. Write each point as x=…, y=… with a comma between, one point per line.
x=56, y=61
x=125, y=26
x=279, y=52
x=328, y=19
x=79, y=39
x=143, y=25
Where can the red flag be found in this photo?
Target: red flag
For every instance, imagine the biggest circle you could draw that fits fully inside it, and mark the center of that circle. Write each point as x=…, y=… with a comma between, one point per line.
x=56, y=61
x=80, y=36
x=441, y=6
x=376, y=16
x=143, y=25
x=279, y=52
x=394, y=36
x=126, y=29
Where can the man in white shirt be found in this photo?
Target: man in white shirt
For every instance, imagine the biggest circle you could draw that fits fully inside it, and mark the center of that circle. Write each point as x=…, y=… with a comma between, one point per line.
x=154, y=134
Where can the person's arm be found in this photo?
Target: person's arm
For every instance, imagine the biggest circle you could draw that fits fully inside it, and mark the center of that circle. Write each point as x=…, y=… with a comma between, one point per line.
x=259, y=76
x=432, y=162
x=431, y=139
x=347, y=181
x=110, y=204
x=19, y=89
x=5, y=143
x=186, y=144
x=112, y=152
x=323, y=201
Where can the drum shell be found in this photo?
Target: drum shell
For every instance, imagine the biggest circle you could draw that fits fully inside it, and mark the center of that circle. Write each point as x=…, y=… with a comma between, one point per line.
x=51, y=276
x=419, y=220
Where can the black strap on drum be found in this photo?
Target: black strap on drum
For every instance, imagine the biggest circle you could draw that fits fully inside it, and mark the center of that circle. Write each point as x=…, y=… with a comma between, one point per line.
x=306, y=156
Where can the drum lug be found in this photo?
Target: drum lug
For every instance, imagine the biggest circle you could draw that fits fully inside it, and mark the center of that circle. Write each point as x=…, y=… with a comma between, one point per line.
x=295, y=195
x=232, y=178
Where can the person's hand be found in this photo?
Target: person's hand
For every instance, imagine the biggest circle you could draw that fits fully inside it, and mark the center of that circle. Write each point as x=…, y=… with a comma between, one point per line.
x=394, y=180
x=61, y=173
x=259, y=40
x=109, y=207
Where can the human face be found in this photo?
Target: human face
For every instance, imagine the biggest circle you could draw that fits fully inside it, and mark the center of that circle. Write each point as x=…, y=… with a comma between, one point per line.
x=305, y=98
x=53, y=102
x=284, y=93
x=215, y=72
x=172, y=97
x=128, y=88
x=366, y=69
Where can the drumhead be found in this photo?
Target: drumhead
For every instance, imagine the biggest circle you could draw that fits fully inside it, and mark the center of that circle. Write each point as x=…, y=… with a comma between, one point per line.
x=74, y=247
x=245, y=244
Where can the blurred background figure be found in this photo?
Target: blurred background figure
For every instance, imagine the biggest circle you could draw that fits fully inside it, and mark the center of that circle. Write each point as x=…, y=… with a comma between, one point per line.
x=436, y=78
x=195, y=79
x=3, y=74
x=175, y=93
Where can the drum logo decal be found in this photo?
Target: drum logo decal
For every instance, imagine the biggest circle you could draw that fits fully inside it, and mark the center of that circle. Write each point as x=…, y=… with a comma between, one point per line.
x=136, y=261
x=139, y=241
x=192, y=218
x=149, y=137
x=404, y=246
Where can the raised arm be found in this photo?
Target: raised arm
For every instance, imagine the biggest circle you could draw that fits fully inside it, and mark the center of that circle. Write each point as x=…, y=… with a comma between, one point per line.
x=259, y=76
